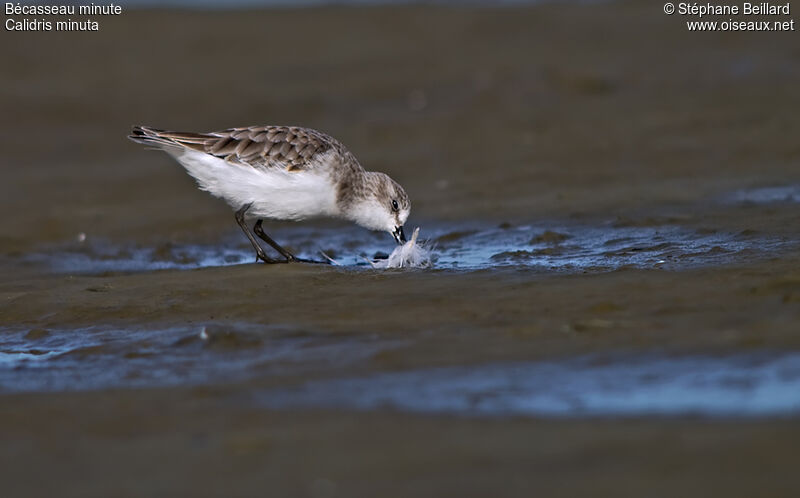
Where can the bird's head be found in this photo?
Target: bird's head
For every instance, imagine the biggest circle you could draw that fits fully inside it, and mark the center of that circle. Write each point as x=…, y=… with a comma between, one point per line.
x=383, y=205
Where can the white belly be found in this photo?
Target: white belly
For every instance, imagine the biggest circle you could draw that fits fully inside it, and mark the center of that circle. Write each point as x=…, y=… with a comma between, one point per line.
x=274, y=193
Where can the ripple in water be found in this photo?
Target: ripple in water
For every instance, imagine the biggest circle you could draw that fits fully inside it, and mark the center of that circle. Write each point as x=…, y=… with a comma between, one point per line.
x=741, y=385
x=545, y=246
x=736, y=385
x=101, y=358
x=765, y=195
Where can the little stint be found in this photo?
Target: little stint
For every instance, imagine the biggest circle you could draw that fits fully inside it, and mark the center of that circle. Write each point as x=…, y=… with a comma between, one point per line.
x=284, y=173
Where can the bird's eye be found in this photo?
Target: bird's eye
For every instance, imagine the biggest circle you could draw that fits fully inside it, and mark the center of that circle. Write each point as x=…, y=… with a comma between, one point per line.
x=394, y=206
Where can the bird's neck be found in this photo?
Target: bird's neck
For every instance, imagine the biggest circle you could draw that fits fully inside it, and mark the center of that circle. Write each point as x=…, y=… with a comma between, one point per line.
x=354, y=186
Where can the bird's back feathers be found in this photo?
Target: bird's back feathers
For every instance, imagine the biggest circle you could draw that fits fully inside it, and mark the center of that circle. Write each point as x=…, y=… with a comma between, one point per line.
x=287, y=147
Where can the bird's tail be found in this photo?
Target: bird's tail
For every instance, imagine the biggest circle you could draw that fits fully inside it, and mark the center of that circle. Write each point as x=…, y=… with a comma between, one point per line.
x=164, y=139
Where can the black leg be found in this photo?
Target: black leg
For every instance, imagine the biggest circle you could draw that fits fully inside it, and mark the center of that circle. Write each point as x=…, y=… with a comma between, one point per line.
x=260, y=254
x=266, y=238
x=290, y=258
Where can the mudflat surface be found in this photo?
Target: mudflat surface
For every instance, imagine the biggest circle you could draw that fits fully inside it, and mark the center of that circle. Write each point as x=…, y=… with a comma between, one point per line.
x=600, y=185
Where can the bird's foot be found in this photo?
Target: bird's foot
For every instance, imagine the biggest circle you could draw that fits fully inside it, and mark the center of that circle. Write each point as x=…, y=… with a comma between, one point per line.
x=295, y=259
x=262, y=256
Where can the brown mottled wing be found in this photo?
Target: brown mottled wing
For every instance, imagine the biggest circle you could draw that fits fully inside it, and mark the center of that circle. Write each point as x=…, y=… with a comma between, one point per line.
x=289, y=147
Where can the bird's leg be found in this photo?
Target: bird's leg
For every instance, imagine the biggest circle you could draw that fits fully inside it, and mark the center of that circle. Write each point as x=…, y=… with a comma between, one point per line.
x=260, y=254
x=290, y=258
x=266, y=238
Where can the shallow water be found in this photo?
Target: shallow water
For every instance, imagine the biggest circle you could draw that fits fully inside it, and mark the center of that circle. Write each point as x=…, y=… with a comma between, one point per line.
x=548, y=246
x=149, y=354
x=739, y=385
x=765, y=195
x=761, y=383
x=102, y=357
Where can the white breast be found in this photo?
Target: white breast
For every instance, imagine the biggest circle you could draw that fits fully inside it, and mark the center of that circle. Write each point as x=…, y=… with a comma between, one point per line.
x=275, y=193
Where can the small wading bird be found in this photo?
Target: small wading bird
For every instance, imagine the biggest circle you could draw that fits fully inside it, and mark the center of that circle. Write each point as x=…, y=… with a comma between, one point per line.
x=284, y=173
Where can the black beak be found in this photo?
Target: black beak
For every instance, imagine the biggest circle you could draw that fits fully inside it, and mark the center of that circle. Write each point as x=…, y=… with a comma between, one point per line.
x=398, y=235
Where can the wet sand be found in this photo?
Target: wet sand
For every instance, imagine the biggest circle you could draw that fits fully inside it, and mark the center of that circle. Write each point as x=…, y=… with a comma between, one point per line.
x=492, y=117
x=193, y=444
